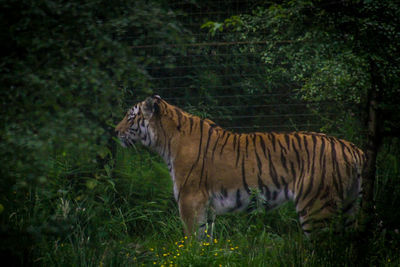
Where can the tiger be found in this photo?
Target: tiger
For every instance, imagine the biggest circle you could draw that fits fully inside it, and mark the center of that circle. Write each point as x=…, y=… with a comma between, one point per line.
x=216, y=171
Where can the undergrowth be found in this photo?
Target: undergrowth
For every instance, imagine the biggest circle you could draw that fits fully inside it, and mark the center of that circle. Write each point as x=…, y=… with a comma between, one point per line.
x=124, y=215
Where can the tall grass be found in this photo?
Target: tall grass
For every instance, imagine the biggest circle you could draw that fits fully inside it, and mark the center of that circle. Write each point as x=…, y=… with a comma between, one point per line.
x=125, y=215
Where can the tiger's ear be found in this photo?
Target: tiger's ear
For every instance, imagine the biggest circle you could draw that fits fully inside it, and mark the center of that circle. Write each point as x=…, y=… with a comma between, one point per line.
x=151, y=107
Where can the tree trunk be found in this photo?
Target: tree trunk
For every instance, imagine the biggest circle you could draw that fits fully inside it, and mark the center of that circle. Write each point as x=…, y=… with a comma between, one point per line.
x=374, y=139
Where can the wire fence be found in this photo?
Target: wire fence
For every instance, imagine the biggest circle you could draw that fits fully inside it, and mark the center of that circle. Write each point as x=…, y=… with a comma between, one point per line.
x=223, y=78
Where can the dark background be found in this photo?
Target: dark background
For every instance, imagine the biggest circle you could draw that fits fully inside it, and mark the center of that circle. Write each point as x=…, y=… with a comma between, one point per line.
x=70, y=70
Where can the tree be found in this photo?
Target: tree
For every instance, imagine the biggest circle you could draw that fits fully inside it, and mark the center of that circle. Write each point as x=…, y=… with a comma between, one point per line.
x=342, y=51
x=67, y=68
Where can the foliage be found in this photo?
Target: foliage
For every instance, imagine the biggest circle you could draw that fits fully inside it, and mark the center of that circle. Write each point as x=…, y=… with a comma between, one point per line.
x=69, y=196
x=66, y=68
x=325, y=50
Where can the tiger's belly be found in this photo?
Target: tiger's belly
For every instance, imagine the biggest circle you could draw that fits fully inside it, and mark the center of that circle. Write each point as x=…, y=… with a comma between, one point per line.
x=240, y=200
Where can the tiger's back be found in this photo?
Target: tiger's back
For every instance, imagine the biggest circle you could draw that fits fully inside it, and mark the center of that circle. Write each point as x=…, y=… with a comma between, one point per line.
x=214, y=169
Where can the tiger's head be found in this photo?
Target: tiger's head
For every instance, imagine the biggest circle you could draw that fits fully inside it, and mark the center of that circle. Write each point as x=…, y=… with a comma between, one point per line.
x=134, y=127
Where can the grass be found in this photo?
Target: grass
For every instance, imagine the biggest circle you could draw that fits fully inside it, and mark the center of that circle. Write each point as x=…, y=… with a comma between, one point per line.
x=125, y=215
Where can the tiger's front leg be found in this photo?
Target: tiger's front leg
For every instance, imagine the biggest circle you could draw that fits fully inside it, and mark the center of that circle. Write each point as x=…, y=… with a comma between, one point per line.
x=193, y=211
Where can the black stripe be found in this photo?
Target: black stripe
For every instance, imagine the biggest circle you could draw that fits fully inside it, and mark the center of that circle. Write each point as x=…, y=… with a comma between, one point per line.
x=258, y=162
x=238, y=201
x=338, y=184
x=262, y=145
x=226, y=140
x=238, y=150
x=272, y=171
x=283, y=160
x=314, y=141
x=197, y=160
x=206, y=182
x=272, y=135
x=319, y=191
x=224, y=192
x=311, y=173
x=335, y=184
x=247, y=146
x=293, y=170
x=306, y=148
x=282, y=147
x=327, y=204
x=205, y=154
x=301, y=173
x=191, y=124
x=246, y=187
x=299, y=195
x=215, y=147
x=345, y=158
x=263, y=188
x=298, y=139
x=267, y=192
x=297, y=154
x=322, y=179
x=169, y=148
x=261, y=185
x=286, y=190
x=352, y=152
x=326, y=193
x=322, y=150
x=283, y=181
x=179, y=114
x=341, y=192
x=287, y=139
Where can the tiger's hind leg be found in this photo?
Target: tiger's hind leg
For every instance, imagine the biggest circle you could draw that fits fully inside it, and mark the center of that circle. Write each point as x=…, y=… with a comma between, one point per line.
x=329, y=214
x=317, y=216
x=351, y=204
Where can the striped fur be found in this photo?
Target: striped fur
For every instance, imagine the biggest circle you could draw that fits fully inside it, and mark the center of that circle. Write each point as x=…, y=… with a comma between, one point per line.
x=215, y=171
